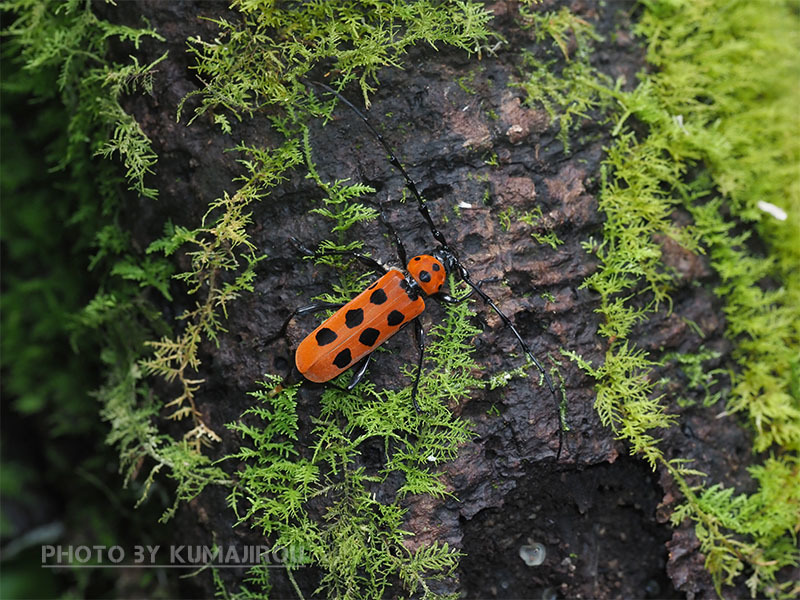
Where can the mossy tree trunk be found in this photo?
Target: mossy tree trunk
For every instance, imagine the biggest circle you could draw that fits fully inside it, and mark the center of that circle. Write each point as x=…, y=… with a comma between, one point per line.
x=487, y=163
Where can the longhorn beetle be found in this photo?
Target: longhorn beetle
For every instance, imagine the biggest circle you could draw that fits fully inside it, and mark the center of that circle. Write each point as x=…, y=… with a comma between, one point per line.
x=349, y=336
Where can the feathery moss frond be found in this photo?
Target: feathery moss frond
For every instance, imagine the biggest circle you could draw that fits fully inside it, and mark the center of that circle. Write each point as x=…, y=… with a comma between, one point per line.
x=718, y=146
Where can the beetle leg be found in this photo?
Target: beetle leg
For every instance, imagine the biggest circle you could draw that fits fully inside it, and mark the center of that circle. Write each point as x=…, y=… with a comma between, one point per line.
x=359, y=375
x=419, y=335
x=304, y=310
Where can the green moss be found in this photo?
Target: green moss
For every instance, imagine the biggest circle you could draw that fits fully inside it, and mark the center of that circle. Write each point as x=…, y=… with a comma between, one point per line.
x=359, y=545
x=718, y=141
x=532, y=218
x=259, y=62
x=567, y=93
x=221, y=245
x=719, y=126
x=467, y=82
x=68, y=41
x=61, y=245
x=699, y=377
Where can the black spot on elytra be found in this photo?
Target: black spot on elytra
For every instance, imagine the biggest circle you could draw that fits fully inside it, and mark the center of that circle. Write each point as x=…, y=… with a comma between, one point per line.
x=325, y=336
x=424, y=276
x=342, y=359
x=395, y=318
x=435, y=267
x=378, y=297
x=369, y=336
x=417, y=257
x=354, y=317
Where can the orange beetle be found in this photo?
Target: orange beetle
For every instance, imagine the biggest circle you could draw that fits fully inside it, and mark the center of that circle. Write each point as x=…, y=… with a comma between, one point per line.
x=358, y=327
x=368, y=320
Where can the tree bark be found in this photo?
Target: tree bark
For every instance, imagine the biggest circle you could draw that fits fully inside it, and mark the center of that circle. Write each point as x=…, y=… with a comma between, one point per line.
x=600, y=513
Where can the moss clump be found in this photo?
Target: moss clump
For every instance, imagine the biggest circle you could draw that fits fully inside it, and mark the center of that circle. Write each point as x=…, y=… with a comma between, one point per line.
x=719, y=143
x=68, y=42
x=259, y=61
x=360, y=544
x=62, y=246
x=716, y=143
x=271, y=48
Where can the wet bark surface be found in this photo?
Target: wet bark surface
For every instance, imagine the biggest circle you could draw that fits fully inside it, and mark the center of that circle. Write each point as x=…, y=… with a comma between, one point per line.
x=600, y=514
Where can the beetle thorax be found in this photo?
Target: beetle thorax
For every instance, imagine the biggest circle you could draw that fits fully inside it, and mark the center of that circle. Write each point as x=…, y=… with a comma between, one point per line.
x=428, y=272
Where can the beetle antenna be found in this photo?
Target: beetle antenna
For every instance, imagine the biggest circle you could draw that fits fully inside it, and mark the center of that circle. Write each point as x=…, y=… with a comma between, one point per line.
x=421, y=202
x=437, y=235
